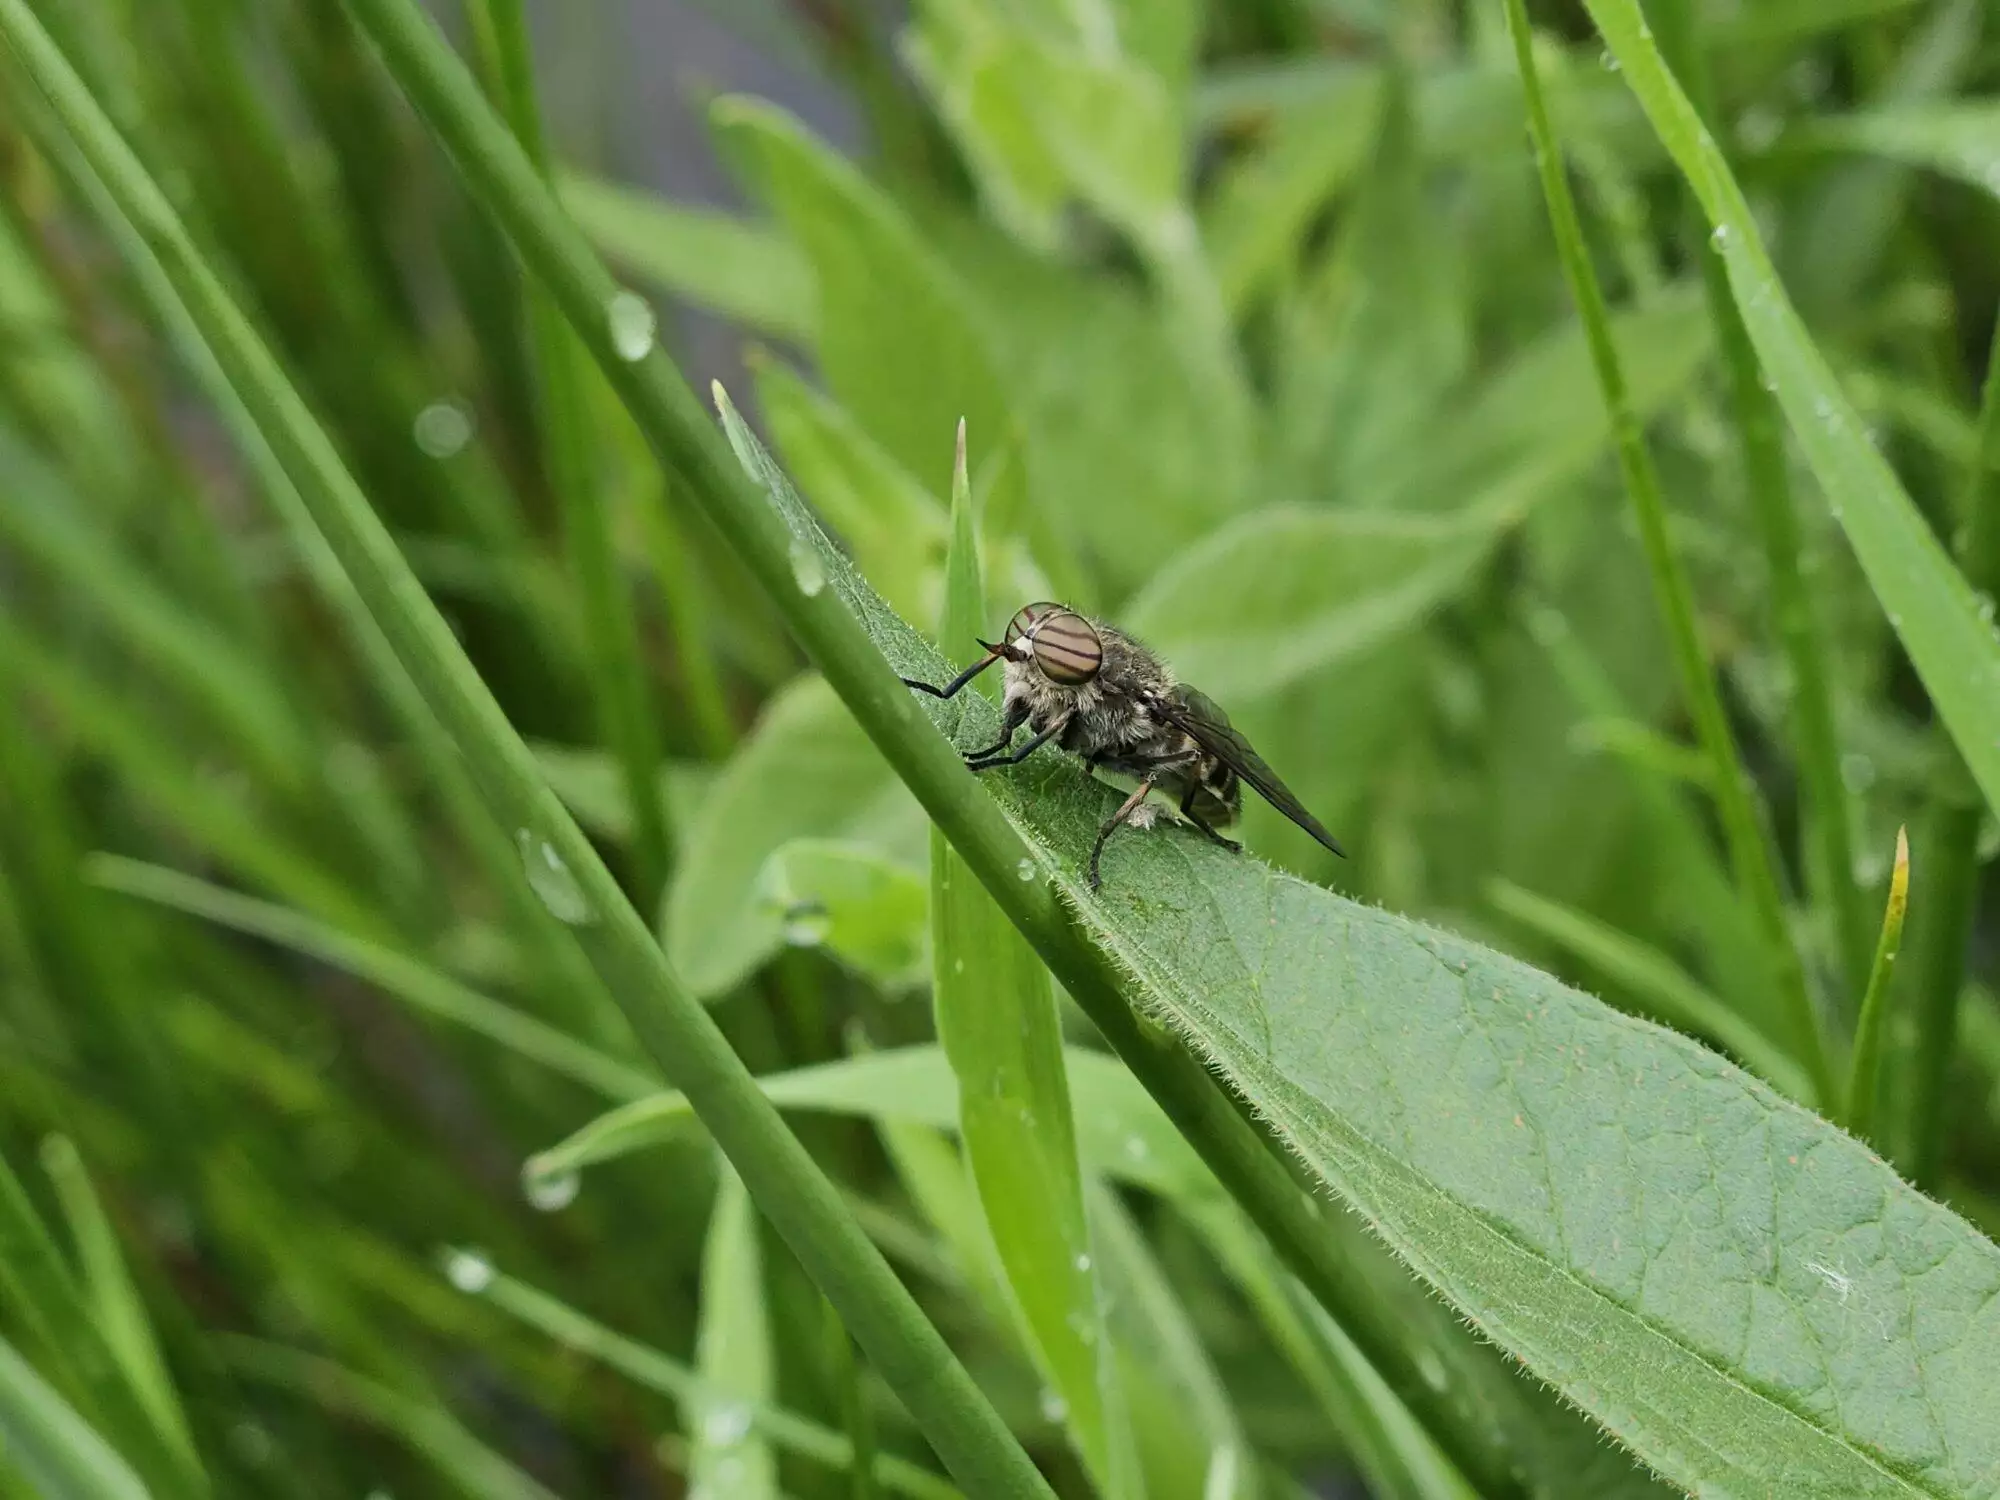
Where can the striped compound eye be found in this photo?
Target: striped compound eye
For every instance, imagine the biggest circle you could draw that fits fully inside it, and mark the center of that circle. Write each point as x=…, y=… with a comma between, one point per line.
x=1065, y=646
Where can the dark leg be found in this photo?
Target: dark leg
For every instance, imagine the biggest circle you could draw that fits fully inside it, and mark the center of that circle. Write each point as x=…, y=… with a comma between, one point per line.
x=1187, y=811
x=1125, y=810
x=1011, y=719
x=950, y=689
x=1021, y=754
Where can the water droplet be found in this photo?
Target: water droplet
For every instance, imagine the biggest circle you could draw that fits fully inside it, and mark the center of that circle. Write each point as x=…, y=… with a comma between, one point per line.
x=1720, y=237
x=633, y=326
x=551, y=1192
x=958, y=966
x=252, y=1444
x=1606, y=61
x=469, y=1271
x=1431, y=1368
x=1025, y=869
x=725, y=1425
x=1083, y=1261
x=1858, y=771
x=442, y=428
x=1136, y=1148
x=808, y=567
x=1054, y=1408
x=551, y=880
x=807, y=926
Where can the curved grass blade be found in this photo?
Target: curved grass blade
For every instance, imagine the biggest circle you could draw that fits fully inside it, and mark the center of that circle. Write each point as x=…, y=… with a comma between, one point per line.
x=43, y=1439
x=1928, y=602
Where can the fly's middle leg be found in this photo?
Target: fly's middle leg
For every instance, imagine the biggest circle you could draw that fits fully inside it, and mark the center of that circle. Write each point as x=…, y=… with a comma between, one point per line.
x=1188, y=812
x=987, y=760
x=1012, y=718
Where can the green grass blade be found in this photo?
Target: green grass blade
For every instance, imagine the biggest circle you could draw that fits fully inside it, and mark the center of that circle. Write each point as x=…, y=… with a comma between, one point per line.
x=733, y=1353
x=1948, y=838
x=43, y=1439
x=793, y=1192
x=119, y=1313
x=473, y=1468
x=996, y=1016
x=1929, y=603
x=626, y=713
x=648, y=1367
x=1761, y=443
x=1870, y=1034
x=1749, y=854
x=414, y=983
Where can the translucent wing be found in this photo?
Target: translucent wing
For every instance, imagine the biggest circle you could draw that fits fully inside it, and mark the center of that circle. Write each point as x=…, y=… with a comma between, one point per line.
x=1196, y=715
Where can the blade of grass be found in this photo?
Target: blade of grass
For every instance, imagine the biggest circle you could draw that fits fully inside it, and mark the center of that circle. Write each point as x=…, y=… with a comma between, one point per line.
x=396, y=974
x=1242, y=1155
x=1749, y=854
x=43, y=1438
x=1761, y=444
x=682, y=1037
x=997, y=1018
x=1870, y=1037
x=655, y=1371
x=1948, y=837
x=426, y=1429
x=120, y=1315
x=626, y=713
x=734, y=1354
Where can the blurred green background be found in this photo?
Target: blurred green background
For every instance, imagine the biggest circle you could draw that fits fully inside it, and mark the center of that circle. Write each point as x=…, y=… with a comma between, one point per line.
x=1257, y=303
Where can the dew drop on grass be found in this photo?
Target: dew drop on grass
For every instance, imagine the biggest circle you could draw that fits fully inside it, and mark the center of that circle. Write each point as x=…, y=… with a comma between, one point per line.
x=633, y=326
x=1054, y=1408
x=1136, y=1148
x=1720, y=237
x=551, y=1192
x=443, y=428
x=551, y=880
x=1025, y=869
x=808, y=568
x=1083, y=1261
x=469, y=1271
x=1607, y=61
x=1431, y=1368
x=726, y=1425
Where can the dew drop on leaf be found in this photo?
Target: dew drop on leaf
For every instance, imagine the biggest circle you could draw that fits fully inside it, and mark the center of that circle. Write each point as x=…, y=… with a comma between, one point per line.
x=808, y=569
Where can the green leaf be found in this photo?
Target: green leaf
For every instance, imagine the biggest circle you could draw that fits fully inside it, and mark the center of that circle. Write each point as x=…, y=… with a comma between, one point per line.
x=806, y=770
x=862, y=907
x=1958, y=137
x=726, y=264
x=53, y=1448
x=733, y=1353
x=1289, y=590
x=1121, y=1133
x=1745, y=1296
x=1928, y=602
x=997, y=1019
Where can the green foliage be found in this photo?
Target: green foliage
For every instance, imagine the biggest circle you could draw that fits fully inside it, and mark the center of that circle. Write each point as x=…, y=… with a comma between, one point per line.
x=450, y=785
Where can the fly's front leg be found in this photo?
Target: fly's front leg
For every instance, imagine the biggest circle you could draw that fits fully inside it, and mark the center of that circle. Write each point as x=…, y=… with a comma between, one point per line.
x=1041, y=738
x=1012, y=717
x=951, y=689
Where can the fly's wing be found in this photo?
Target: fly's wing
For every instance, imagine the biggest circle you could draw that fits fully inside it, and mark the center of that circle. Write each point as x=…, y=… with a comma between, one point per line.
x=1195, y=715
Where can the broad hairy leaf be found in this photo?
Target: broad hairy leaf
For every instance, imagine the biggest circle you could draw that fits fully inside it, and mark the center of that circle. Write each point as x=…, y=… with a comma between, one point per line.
x=1748, y=1298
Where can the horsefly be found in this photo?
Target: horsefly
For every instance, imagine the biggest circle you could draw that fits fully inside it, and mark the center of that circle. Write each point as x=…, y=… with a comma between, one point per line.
x=1103, y=696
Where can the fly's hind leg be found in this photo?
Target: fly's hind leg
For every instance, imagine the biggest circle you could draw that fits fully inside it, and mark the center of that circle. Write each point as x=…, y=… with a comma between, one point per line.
x=1125, y=811
x=1188, y=812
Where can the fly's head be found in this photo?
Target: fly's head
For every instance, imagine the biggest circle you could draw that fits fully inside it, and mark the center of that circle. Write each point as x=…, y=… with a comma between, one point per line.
x=1052, y=654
